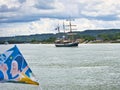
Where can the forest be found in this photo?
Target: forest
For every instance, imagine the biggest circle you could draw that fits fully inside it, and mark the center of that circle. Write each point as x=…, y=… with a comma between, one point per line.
x=87, y=36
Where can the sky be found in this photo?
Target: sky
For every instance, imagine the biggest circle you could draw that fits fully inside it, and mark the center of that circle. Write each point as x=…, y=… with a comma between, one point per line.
x=26, y=17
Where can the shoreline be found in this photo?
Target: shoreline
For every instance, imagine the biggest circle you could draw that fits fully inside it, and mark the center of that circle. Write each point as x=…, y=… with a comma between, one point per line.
x=106, y=42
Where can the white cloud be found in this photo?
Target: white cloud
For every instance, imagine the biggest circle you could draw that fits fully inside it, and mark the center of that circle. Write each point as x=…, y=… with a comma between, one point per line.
x=101, y=7
x=22, y=17
x=10, y=3
x=48, y=25
x=45, y=25
x=14, y=29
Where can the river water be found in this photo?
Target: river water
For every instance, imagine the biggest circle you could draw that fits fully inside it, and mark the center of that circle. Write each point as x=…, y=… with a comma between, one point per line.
x=86, y=67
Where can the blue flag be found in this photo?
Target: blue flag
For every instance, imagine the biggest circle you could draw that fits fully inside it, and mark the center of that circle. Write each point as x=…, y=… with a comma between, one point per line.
x=14, y=68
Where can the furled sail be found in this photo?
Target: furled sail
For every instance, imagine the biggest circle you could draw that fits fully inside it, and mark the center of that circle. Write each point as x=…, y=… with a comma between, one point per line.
x=14, y=68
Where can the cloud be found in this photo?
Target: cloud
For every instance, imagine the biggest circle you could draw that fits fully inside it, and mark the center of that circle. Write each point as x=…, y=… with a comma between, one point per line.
x=4, y=8
x=36, y=9
x=102, y=9
x=22, y=1
x=41, y=16
x=47, y=25
x=104, y=18
x=45, y=4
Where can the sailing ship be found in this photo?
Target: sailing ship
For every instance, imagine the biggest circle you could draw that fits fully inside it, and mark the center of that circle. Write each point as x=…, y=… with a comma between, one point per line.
x=68, y=40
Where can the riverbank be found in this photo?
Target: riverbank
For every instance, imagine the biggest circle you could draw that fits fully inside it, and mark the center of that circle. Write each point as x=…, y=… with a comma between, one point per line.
x=85, y=42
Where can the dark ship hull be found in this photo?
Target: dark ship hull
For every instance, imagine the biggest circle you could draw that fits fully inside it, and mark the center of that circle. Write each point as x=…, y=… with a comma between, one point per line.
x=72, y=44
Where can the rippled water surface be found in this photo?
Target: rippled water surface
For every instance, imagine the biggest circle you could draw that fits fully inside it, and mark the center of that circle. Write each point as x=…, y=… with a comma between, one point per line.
x=86, y=67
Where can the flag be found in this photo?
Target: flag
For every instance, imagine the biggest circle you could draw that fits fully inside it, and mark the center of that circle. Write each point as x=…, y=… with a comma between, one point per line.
x=14, y=68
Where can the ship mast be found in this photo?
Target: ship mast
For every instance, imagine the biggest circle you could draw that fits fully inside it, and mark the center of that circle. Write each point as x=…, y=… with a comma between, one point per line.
x=70, y=25
x=70, y=29
x=58, y=28
x=64, y=26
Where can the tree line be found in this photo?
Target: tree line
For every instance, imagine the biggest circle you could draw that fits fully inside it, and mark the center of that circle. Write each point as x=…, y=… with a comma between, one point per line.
x=85, y=36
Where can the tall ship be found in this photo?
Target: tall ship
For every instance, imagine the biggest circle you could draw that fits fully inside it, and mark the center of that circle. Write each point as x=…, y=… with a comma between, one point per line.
x=68, y=39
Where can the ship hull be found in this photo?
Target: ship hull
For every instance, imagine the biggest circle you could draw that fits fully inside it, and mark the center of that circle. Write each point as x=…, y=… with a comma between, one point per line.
x=73, y=44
